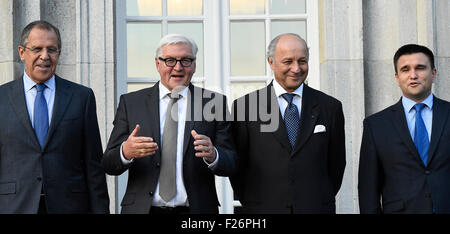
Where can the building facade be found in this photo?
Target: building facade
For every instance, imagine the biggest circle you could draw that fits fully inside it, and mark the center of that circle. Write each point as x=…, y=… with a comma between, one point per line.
x=109, y=45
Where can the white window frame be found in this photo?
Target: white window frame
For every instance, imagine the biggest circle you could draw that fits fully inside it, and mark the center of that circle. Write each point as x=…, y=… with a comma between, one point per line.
x=217, y=66
x=312, y=32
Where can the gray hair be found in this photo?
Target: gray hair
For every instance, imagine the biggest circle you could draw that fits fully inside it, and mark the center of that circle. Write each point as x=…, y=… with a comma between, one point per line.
x=273, y=45
x=40, y=24
x=172, y=39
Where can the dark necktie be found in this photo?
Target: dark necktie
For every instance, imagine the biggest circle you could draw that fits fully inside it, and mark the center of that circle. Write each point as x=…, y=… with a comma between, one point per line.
x=421, y=135
x=167, y=176
x=40, y=119
x=291, y=118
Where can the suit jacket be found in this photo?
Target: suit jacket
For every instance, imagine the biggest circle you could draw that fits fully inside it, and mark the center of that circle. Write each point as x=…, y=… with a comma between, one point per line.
x=68, y=168
x=273, y=178
x=391, y=169
x=142, y=107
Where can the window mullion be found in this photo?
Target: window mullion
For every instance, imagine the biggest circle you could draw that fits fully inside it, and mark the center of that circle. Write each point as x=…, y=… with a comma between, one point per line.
x=165, y=27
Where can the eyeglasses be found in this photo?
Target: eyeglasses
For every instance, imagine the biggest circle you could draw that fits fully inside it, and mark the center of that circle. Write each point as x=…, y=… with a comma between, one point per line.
x=171, y=62
x=52, y=51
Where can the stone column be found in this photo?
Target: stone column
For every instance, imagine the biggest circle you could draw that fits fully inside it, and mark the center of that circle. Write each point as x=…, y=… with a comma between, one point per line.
x=95, y=65
x=390, y=24
x=384, y=31
x=15, y=15
x=342, y=76
x=87, y=56
x=441, y=24
x=7, y=41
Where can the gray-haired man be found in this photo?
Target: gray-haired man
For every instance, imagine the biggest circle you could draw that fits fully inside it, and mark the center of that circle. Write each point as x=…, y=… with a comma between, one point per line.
x=172, y=154
x=297, y=167
x=50, y=146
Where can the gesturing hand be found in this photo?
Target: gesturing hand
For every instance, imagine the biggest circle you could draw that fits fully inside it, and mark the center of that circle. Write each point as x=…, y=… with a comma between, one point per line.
x=138, y=147
x=204, y=147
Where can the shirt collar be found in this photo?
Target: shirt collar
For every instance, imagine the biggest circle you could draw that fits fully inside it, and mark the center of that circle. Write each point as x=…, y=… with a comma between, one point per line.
x=28, y=83
x=163, y=91
x=280, y=90
x=408, y=104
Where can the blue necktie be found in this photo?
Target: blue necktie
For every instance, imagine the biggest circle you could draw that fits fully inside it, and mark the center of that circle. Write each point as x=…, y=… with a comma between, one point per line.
x=291, y=118
x=40, y=120
x=421, y=135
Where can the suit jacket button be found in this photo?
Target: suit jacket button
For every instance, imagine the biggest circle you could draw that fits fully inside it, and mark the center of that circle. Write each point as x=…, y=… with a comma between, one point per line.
x=39, y=178
x=428, y=195
x=158, y=164
x=150, y=193
x=427, y=172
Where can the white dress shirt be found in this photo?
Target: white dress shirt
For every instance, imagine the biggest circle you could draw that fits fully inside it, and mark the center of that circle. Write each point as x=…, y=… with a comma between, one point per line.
x=282, y=103
x=180, y=198
x=31, y=92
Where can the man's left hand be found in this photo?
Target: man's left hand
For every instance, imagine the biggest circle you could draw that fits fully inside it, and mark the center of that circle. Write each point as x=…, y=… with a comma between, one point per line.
x=204, y=147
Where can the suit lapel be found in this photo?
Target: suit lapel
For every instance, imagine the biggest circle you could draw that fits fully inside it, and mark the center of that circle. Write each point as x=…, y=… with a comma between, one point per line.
x=191, y=109
x=152, y=105
x=18, y=102
x=399, y=122
x=63, y=95
x=440, y=116
x=308, y=118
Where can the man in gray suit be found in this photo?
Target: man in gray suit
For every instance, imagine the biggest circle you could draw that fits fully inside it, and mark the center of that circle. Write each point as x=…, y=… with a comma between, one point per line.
x=50, y=147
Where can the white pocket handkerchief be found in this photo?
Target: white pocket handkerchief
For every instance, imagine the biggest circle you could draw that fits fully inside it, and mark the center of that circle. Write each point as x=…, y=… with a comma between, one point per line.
x=319, y=128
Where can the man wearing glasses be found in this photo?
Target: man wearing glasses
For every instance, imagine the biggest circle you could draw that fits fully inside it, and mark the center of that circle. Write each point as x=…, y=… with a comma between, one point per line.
x=171, y=139
x=50, y=147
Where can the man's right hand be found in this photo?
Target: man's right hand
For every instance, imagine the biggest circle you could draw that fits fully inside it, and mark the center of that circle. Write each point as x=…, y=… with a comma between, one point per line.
x=138, y=147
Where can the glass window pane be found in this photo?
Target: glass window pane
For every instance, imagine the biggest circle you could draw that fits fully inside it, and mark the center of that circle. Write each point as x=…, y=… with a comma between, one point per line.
x=240, y=89
x=287, y=6
x=142, y=40
x=138, y=86
x=194, y=31
x=199, y=84
x=278, y=27
x=185, y=7
x=248, y=49
x=247, y=7
x=144, y=7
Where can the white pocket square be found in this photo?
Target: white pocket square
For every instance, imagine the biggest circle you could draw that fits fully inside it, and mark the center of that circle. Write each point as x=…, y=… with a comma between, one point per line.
x=319, y=128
